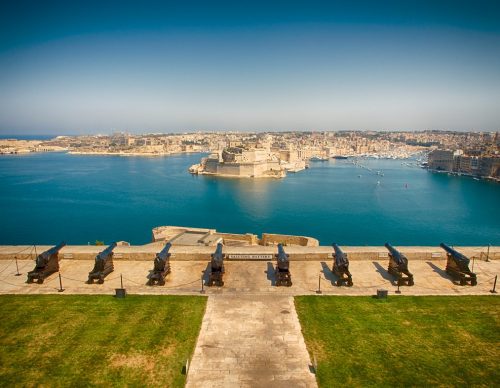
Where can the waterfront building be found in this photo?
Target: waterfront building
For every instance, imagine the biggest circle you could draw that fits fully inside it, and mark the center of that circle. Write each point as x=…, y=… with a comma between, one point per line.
x=487, y=166
x=441, y=160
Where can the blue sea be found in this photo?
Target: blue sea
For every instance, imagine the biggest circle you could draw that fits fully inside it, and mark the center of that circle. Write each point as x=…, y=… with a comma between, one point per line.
x=49, y=197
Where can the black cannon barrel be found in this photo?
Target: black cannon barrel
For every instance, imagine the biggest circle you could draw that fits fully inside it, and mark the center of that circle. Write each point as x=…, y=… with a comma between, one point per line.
x=164, y=252
x=217, y=257
x=398, y=256
x=218, y=250
x=105, y=253
x=340, y=256
x=53, y=250
x=282, y=256
x=456, y=255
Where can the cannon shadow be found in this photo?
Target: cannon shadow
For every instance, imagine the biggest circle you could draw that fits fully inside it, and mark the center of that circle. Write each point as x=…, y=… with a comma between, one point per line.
x=206, y=273
x=329, y=275
x=148, y=277
x=271, y=276
x=439, y=271
x=383, y=272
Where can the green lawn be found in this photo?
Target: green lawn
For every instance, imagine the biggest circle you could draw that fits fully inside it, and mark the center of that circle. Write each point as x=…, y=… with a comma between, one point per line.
x=403, y=341
x=81, y=340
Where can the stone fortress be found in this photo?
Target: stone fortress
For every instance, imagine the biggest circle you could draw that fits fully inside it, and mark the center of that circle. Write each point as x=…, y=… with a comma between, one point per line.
x=258, y=160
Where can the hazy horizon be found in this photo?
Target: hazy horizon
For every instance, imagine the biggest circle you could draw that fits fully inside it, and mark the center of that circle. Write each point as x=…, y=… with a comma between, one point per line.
x=100, y=67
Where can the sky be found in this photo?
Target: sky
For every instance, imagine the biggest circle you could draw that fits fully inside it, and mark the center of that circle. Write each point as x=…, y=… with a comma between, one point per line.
x=70, y=67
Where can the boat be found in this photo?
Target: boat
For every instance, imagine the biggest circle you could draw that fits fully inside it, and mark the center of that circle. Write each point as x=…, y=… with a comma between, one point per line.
x=317, y=159
x=339, y=157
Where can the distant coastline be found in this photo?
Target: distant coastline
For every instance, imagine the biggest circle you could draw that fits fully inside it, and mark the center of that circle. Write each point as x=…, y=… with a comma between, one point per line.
x=107, y=153
x=27, y=137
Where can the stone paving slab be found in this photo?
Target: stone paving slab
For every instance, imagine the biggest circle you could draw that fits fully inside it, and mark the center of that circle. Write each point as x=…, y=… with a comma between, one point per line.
x=250, y=341
x=246, y=277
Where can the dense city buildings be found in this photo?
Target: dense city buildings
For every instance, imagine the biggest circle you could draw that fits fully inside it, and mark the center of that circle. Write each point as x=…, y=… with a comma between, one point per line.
x=273, y=154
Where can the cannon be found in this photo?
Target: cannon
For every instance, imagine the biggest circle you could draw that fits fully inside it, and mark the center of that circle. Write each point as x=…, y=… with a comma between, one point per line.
x=398, y=266
x=341, y=267
x=161, y=267
x=457, y=266
x=217, y=267
x=282, y=270
x=46, y=264
x=103, y=265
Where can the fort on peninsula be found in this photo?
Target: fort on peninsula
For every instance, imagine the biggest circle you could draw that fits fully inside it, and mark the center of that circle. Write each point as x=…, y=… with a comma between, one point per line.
x=250, y=163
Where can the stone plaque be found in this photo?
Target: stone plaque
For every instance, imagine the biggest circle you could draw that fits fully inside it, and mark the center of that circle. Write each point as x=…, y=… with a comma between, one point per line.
x=234, y=256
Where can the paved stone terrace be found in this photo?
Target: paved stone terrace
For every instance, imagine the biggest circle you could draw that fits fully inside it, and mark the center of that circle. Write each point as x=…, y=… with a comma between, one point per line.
x=250, y=335
x=242, y=277
x=250, y=342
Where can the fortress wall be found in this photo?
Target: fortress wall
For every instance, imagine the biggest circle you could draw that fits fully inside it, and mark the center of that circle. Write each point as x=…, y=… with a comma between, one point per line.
x=186, y=253
x=275, y=239
x=228, y=169
x=249, y=238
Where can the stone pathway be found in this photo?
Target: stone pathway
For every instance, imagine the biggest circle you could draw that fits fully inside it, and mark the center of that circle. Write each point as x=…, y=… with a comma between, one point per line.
x=250, y=341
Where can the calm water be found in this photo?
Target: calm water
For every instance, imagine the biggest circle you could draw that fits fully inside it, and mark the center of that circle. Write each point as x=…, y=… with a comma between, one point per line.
x=45, y=198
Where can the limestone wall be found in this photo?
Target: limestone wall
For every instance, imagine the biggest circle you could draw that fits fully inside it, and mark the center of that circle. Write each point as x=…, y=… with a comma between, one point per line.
x=147, y=252
x=275, y=239
x=249, y=238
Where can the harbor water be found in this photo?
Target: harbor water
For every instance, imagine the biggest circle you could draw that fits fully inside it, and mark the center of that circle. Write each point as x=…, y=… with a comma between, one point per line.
x=49, y=197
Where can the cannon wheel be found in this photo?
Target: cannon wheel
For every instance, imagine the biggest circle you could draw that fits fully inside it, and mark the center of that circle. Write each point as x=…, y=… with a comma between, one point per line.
x=349, y=283
x=100, y=281
x=149, y=282
x=161, y=282
x=338, y=283
x=30, y=280
x=462, y=282
x=220, y=283
x=39, y=280
x=473, y=282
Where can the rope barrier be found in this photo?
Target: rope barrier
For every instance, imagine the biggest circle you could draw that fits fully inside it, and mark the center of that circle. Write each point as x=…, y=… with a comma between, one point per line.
x=171, y=287
x=11, y=284
x=8, y=265
x=75, y=280
x=30, y=247
x=130, y=280
x=50, y=280
x=111, y=279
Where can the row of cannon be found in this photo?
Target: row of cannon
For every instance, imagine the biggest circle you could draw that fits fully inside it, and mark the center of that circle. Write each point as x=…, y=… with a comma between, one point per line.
x=457, y=266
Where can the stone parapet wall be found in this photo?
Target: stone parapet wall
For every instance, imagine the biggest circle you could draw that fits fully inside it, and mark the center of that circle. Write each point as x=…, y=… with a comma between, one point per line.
x=297, y=253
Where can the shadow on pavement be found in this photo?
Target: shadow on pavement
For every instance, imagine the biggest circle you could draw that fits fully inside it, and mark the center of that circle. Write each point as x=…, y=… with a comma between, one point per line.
x=383, y=272
x=327, y=272
x=270, y=273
